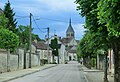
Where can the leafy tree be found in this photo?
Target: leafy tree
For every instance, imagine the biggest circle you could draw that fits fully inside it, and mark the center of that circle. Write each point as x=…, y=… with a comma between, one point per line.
x=3, y=21
x=35, y=36
x=9, y=14
x=97, y=36
x=23, y=33
x=8, y=40
x=54, y=46
x=109, y=14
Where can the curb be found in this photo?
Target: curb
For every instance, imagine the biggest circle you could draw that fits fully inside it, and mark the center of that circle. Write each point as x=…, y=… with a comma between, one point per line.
x=28, y=74
x=86, y=80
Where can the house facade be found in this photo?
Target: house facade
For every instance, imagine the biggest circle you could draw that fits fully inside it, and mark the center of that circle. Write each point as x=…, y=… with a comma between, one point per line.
x=42, y=52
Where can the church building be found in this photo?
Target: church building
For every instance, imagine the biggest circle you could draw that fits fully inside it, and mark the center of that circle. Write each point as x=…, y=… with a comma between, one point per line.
x=70, y=43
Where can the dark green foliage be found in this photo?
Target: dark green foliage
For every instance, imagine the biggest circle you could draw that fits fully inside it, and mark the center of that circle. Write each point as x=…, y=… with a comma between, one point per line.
x=9, y=14
x=96, y=36
x=23, y=33
x=8, y=39
x=3, y=21
x=35, y=37
x=103, y=24
x=109, y=14
x=54, y=46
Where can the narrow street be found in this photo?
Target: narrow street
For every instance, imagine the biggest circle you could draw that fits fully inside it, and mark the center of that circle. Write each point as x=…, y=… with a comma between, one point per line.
x=71, y=72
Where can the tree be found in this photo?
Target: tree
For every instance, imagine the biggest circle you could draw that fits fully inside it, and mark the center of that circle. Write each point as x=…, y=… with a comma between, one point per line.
x=23, y=33
x=109, y=14
x=54, y=46
x=98, y=32
x=8, y=40
x=35, y=37
x=9, y=14
x=3, y=21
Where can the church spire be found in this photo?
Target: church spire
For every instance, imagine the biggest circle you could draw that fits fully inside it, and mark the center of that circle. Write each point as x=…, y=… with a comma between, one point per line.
x=70, y=31
x=8, y=1
x=70, y=22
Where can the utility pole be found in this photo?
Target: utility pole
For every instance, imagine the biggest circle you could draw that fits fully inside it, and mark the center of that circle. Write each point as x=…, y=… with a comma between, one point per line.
x=30, y=31
x=48, y=31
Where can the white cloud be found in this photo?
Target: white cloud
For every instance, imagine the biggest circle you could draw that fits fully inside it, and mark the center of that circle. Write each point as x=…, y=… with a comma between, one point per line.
x=79, y=30
x=53, y=9
x=48, y=6
x=39, y=7
x=26, y=9
x=59, y=5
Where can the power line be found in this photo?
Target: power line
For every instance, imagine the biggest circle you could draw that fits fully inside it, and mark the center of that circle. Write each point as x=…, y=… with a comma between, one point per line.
x=56, y=20
x=37, y=24
x=47, y=19
x=21, y=16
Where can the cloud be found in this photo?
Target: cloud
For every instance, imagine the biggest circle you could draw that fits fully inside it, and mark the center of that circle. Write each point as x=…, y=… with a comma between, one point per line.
x=45, y=6
x=52, y=9
x=26, y=9
x=79, y=30
x=58, y=5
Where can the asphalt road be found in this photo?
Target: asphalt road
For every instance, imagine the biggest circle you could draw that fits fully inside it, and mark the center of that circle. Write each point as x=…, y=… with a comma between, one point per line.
x=71, y=72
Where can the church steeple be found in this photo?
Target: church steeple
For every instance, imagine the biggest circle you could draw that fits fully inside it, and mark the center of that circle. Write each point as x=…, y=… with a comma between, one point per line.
x=70, y=22
x=8, y=1
x=70, y=32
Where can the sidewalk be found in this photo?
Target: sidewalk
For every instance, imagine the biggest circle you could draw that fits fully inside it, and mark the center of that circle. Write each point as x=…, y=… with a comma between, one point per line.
x=94, y=75
x=7, y=76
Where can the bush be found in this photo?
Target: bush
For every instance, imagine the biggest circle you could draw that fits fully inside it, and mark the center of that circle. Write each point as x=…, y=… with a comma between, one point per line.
x=8, y=39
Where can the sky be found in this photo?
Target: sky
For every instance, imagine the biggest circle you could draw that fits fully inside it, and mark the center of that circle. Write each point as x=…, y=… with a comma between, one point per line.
x=54, y=14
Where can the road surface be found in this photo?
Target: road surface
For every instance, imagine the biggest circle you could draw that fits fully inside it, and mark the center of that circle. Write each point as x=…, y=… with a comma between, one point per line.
x=71, y=72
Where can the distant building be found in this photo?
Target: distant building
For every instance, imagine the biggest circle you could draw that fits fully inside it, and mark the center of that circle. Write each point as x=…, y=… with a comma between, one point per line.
x=70, y=32
x=61, y=50
x=41, y=50
x=70, y=43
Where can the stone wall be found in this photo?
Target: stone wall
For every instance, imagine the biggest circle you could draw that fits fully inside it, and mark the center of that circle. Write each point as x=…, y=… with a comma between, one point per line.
x=15, y=62
x=3, y=61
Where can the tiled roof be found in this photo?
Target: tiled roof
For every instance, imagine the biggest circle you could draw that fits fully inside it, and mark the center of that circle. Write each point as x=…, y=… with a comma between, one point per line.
x=40, y=45
x=72, y=49
x=66, y=40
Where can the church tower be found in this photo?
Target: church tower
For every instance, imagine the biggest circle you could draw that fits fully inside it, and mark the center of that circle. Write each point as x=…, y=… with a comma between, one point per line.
x=70, y=32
